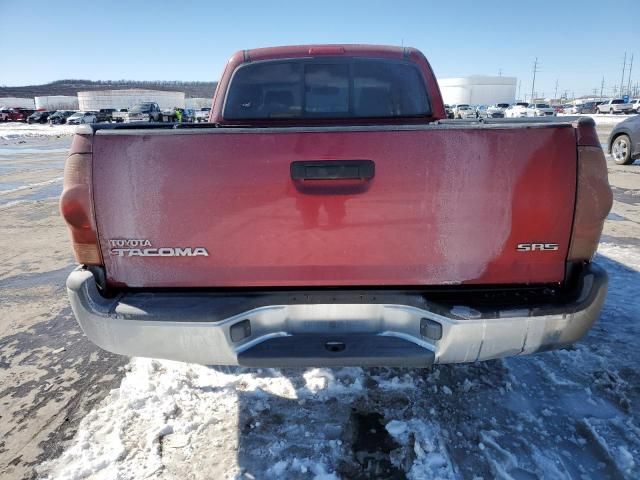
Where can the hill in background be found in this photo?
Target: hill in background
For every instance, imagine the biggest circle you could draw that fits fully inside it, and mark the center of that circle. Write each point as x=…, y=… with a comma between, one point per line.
x=73, y=86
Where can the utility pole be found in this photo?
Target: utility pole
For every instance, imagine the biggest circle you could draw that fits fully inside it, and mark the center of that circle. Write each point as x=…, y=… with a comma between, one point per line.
x=624, y=66
x=601, y=88
x=629, y=82
x=533, y=83
x=519, y=86
x=555, y=95
x=499, y=72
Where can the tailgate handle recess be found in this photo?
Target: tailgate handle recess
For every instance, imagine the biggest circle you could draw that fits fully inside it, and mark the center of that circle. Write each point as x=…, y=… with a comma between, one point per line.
x=333, y=170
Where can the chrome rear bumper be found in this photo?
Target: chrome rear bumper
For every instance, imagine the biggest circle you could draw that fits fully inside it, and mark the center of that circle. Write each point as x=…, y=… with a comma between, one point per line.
x=208, y=328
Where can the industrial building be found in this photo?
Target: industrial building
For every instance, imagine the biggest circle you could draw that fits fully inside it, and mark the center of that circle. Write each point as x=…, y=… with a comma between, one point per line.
x=119, y=99
x=15, y=102
x=478, y=90
x=57, y=102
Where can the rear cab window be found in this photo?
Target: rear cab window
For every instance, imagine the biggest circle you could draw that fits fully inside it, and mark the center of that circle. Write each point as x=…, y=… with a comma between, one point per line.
x=326, y=88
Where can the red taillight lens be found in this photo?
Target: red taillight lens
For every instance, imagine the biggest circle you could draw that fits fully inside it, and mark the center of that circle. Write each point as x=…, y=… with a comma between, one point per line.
x=76, y=207
x=593, y=203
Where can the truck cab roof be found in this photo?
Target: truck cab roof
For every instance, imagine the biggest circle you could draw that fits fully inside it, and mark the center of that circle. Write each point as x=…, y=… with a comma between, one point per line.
x=302, y=110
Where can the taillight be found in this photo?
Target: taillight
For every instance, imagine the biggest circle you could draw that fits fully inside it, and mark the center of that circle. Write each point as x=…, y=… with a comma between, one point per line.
x=327, y=50
x=593, y=195
x=76, y=207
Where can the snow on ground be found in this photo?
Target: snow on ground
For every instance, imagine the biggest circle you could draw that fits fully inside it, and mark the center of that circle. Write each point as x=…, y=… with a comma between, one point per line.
x=563, y=414
x=18, y=130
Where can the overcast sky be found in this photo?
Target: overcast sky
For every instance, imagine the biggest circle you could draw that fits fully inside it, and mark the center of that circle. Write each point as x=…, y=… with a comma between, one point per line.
x=576, y=42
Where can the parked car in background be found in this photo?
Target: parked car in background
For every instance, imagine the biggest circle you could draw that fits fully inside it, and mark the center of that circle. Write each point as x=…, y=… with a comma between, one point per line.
x=4, y=115
x=448, y=110
x=497, y=110
x=202, y=115
x=144, y=112
x=18, y=114
x=463, y=110
x=558, y=108
x=481, y=111
x=119, y=116
x=188, y=115
x=517, y=110
x=39, y=117
x=636, y=105
x=454, y=109
x=586, y=107
x=615, y=105
x=60, y=117
x=624, y=141
x=539, y=110
x=105, y=114
x=82, y=117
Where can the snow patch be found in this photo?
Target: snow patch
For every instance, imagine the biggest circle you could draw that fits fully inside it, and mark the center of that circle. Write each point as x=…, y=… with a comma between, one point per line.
x=16, y=131
x=32, y=185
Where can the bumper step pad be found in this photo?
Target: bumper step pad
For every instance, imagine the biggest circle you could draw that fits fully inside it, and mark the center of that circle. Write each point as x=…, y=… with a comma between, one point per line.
x=309, y=350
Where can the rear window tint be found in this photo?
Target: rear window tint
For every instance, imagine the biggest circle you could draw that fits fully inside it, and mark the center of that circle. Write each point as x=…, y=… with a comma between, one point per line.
x=325, y=88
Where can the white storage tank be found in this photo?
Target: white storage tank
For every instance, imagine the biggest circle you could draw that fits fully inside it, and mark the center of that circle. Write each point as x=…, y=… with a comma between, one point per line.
x=478, y=90
x=119, y=99
x=15, y=102
x=57, y=102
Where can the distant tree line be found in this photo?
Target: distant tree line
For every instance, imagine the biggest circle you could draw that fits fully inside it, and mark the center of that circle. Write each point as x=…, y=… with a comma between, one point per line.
x=71, y=86
x=168, y=83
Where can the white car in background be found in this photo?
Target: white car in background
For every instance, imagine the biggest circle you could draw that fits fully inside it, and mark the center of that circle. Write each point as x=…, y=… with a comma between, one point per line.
x=540, y=110
x=572, y=109
x=517, y=110
x=615, y=105
x=497, y=110
x=464, y=111
x=636, y=105
x=202, y=115
x=82, y=117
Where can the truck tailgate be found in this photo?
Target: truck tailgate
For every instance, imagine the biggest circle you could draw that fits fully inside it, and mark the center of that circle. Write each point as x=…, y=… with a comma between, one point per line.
x=447, y=205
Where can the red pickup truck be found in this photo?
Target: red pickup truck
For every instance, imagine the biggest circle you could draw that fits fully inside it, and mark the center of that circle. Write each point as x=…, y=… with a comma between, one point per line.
x=16, y=114
x=329, y=214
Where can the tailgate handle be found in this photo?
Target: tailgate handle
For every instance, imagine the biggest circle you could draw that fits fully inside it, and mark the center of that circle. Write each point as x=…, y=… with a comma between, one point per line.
x=333, y=170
